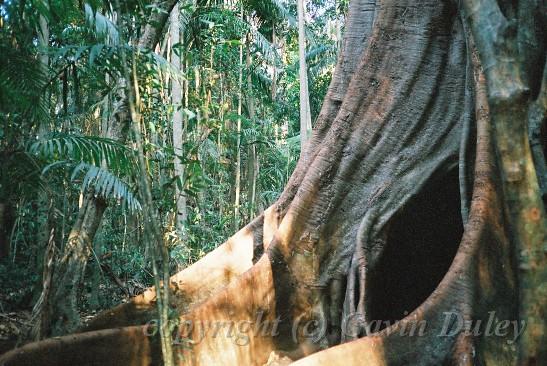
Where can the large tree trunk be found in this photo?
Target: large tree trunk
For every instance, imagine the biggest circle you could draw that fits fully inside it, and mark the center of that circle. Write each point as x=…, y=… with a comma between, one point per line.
x=514, y=59
x=370, y=227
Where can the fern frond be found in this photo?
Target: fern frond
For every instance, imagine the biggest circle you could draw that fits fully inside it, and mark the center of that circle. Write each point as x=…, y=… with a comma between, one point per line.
x=22, y=81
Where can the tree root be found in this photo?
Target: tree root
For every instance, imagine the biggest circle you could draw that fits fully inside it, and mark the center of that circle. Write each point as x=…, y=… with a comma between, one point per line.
x=192, y=285
x=129, y=346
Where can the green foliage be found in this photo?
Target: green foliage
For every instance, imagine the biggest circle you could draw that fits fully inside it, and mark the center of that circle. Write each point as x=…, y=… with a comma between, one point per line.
x=91, y=150
x=20, y=174
x=98, y=157
x=22, y=81
x=107, y=185
x=104, y=27
x=55, y=117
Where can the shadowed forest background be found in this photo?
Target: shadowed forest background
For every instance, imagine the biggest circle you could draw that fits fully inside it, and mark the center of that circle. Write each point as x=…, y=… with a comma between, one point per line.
x=312, y=161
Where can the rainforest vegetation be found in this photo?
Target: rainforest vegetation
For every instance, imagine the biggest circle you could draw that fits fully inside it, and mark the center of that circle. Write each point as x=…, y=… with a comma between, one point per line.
x=273, y=182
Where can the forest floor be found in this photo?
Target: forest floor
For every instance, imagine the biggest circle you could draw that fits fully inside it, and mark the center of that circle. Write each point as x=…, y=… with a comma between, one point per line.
x=14, y=329
x=15, y=312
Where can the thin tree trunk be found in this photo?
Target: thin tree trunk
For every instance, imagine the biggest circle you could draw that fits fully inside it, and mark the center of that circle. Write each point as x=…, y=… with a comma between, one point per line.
x=237, y=185
x=65, y=97
x=43, y=38
x=178, y=124
x=252, y=156
x=45, y=258
x=71, y=267
x=70, y=270
x=152, y=224
x=41, y=313
x=4, y=231
x=305, y=113
x=274, y=76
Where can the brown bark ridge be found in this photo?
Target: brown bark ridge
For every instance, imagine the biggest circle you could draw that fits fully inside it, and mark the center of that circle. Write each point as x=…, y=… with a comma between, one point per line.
x=511, y=44
x=368, y=229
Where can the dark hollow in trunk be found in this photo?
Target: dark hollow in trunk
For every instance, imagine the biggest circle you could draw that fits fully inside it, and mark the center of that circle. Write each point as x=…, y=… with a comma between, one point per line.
x=421, y=244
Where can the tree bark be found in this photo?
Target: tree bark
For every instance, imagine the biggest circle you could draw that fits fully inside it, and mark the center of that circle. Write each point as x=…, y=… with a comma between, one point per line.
x=512, y=86
x=70, y=269
x=96, y=274
x=41, y=316
x=196, y=283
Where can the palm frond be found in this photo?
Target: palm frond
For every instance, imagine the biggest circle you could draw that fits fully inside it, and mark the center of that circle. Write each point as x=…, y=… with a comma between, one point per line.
x=20, y=174
x=103, y=27
x=261, y=79
x=87, y=149
x=107, y=185
x=165, y=66
x=209, y=150
x=22, y=81
x=266, y=48
x=272, y=9
x=320, y=51
x=321, y=59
